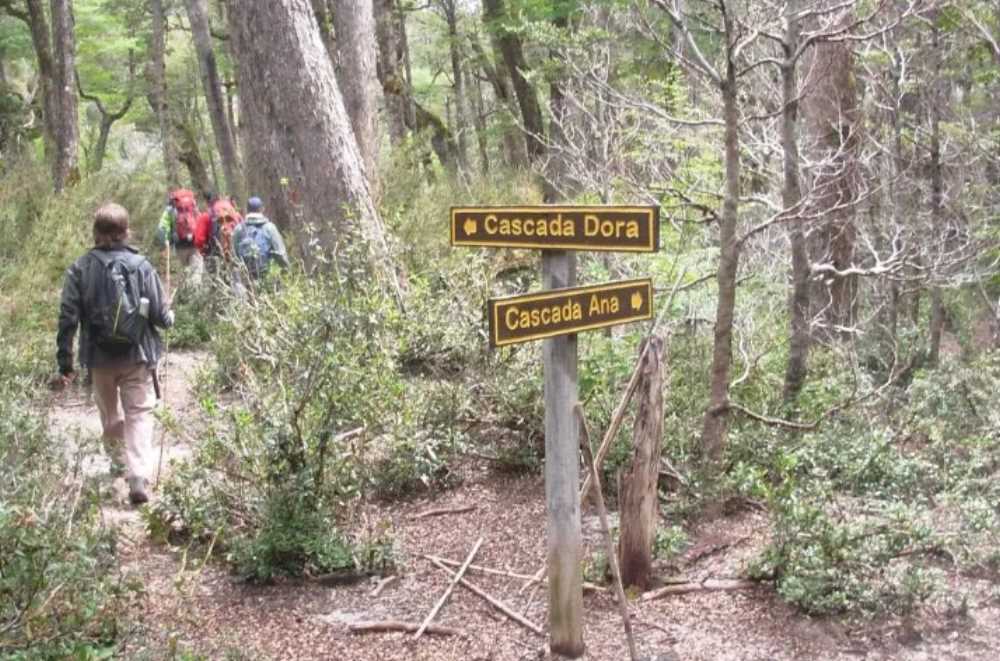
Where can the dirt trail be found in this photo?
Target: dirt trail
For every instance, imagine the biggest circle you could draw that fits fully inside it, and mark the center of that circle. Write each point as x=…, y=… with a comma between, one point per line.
x=202, y=609
x=74, y=418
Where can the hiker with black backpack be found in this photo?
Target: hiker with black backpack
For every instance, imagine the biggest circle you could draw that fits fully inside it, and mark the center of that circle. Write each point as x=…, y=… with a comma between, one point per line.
x=177, y=228
x=114, y=296
x=257, y=242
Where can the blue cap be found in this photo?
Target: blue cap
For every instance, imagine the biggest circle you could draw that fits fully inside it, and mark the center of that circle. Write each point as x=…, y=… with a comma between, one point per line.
x=254, y=204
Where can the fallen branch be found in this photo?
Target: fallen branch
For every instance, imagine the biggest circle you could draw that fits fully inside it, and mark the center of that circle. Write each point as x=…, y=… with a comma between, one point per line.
x=708, y=585
x=443, y=510
x=501, y=572
x=383, y=584
x=609, y=543
x=496, y=603
x=451, y=586
x=393, y=625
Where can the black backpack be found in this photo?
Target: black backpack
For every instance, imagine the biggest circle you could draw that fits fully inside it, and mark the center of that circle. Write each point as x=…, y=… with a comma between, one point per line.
x=114, y=313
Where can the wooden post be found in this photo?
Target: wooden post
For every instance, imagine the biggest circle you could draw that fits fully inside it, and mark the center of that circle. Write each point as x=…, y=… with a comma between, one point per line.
x=562, y=473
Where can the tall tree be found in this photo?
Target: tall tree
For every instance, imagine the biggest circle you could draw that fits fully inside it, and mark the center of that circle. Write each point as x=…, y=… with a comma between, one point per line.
x=198, y=15
x=302, y=156
x=157, y=76
x=354, y=24
x=512, y=48
x=449, y=9
x=66, y=123
x=108, y=117
x=390, y=67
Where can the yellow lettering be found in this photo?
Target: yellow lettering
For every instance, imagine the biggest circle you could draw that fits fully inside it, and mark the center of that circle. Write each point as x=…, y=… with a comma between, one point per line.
x=546, y=316
x=595, y=306
x=511, y=318
x=543, y=227
x=525, y=320
x=632, y=230
x=504, y=227
x=535, y=318
x=590, y=225
x=491, y=224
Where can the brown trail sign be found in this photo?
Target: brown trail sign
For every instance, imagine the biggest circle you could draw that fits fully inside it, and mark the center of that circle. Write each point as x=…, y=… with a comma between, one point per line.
x=562, y=311
x=607, y=228
x=556, y=315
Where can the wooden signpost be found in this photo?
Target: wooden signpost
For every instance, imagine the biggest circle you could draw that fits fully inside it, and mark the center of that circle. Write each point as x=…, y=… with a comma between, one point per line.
x=555, y=315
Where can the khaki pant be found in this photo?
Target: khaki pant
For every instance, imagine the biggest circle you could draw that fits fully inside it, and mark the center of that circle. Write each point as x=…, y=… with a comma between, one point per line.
x=194, y=264
x=125, y=398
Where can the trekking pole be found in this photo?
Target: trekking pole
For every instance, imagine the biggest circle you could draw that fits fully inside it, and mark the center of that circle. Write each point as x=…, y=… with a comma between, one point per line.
x=162, y=385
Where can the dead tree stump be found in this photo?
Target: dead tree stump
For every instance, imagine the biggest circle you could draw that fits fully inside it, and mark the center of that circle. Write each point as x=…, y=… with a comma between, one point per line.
x=638, y=499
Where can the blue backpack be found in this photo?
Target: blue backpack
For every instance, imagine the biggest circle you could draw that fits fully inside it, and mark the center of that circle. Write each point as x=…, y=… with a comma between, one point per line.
x=254, y=249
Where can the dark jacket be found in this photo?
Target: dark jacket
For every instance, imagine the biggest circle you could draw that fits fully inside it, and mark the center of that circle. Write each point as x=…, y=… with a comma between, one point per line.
x=82, y=279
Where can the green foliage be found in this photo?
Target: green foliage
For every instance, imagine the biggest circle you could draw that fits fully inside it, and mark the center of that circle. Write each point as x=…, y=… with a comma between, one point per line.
x=322, y=417
x=61, y=595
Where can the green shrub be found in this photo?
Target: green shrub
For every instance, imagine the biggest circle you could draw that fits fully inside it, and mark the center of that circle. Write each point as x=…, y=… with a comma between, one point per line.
x=61, y=593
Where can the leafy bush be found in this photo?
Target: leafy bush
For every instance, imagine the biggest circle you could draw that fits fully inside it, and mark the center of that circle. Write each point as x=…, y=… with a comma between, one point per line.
x=61, y=594
x=321, y=417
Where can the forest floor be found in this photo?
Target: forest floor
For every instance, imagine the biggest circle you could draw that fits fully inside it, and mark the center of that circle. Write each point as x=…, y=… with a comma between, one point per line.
x=201, y=609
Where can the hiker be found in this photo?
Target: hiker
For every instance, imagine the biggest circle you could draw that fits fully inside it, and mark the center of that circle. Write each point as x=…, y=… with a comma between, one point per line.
x=113, y=294
x=177, y=228
x=258, y=243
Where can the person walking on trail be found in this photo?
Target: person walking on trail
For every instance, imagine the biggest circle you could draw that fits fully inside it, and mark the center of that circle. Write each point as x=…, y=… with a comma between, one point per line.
x=177, y=228
x=113, y=295
x=258, y=243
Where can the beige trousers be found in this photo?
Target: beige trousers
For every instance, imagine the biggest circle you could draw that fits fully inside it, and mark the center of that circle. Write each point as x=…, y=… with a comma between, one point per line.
x=125, y=398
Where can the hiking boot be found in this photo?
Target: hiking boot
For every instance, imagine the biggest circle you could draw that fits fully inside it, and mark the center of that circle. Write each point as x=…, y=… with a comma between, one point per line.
x=137, y=490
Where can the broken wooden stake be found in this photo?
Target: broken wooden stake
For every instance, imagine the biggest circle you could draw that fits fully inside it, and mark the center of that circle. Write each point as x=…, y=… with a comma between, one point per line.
x=451, y=586
x=708, y=585
x=496, y=603
x=393, y=625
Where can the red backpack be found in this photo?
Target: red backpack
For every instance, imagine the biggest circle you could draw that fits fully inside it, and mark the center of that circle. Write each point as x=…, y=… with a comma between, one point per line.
x=187, y=214
x=226, y=219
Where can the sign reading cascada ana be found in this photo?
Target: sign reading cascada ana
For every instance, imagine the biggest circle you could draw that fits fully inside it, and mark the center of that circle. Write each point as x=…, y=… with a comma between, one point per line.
x=559, y=311
x=608, y=228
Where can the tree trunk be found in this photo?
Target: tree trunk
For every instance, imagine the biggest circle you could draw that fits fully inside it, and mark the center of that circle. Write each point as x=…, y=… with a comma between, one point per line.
x=354, y=22
x=214, y=99
x=42, y=42
x=937, y=197
x=157, y=75
x=479, y=113
x=832, y=110
x=189, y=154
x=714, y=427
x=527, y=98
x=460, y=124
x=791, y=197
x=515, y=148
x=639, y=501
x=65, y=168
x=390, y=73
x=305, y=159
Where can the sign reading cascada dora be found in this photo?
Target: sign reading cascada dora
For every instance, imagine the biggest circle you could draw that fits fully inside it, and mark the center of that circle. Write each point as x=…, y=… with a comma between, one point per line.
x=610, y=228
